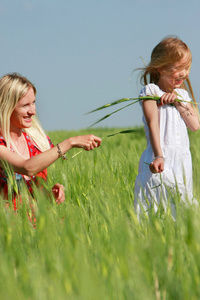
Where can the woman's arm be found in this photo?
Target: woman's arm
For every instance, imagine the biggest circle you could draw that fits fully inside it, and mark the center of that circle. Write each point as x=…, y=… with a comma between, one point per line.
x=150, y=110
x=43, y=160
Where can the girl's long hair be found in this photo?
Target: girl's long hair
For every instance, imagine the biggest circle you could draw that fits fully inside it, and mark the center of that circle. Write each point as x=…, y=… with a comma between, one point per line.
x=168, y=52
x=12, y=88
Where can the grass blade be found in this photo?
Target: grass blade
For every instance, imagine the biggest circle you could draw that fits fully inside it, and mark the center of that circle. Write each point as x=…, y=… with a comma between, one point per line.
x=135, y=100
x=105, y=117
x=126, y=131
x=124, y=100
x=113, y=134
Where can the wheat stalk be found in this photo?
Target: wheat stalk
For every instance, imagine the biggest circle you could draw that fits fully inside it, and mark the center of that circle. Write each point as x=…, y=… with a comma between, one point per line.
x=122, y=100
x=113, y=134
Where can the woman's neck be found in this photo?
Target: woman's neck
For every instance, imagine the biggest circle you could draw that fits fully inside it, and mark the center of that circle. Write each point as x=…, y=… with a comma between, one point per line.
x=19, y=143
x=16, y=136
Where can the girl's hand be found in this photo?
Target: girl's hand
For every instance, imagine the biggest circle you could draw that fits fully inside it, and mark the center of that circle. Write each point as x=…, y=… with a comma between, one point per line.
x=58, y=192
x=157, y=166
x=167, y=98
x=88, y=142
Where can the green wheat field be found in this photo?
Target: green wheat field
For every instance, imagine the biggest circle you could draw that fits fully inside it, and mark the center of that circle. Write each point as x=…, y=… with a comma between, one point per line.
x=92, y=246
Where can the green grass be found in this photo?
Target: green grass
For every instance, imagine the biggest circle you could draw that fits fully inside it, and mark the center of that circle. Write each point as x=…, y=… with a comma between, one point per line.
x=92, y=246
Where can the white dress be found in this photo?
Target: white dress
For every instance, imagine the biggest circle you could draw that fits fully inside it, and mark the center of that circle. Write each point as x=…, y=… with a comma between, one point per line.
x=152, y=189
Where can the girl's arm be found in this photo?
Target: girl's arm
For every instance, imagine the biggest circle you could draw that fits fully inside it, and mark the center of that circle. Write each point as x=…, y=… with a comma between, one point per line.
x=189, y=115
x=150, y=110
x=186, y=110
x=43, y=160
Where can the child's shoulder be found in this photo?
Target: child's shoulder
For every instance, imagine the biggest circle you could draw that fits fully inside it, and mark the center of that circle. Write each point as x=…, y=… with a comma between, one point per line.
x=182, y=94
x=181, y=91
x=150, y=89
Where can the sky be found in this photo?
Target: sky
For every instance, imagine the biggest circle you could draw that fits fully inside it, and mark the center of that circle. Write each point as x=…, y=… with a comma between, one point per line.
x=80, y=54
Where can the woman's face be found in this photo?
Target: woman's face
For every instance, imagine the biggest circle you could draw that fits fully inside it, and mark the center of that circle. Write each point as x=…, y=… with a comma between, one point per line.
x=173, y=76
x=22, y=114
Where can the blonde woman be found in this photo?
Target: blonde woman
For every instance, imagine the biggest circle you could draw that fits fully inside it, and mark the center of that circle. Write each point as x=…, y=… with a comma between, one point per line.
x=166, y=123
x=24, y=146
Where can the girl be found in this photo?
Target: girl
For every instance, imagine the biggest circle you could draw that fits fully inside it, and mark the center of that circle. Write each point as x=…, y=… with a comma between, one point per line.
x=24, y=146
x=165, y=166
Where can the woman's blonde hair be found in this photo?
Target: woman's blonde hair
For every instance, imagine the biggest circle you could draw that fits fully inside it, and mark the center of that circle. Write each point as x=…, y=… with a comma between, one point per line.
x=165, y=54
x=13, y=87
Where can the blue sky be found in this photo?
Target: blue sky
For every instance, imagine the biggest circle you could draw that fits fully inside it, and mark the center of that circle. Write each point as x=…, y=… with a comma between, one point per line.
x=80, y=54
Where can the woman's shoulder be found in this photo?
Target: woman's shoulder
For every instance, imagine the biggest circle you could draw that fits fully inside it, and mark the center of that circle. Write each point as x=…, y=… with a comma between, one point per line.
x=50, y=142
x=33, y=144
x=28, y=138
x=2, y=141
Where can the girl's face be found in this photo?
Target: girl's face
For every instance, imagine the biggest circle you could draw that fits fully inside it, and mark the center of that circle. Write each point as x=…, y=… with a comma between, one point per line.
x=173, y=76
x=21, y=116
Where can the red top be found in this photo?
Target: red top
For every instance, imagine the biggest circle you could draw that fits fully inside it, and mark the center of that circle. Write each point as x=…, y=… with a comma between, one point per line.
x=4, y=178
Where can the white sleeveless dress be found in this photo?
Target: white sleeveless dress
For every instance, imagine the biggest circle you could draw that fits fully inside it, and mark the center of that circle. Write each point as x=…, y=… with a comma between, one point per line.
x=152, y=189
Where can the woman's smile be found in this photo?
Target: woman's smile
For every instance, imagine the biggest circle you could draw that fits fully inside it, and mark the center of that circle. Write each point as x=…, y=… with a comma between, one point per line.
x=23, y=112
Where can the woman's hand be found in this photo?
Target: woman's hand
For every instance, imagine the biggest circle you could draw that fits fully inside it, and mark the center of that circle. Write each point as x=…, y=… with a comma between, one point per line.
x=88, y=142
x=58, y=192
x=167, y=98
x=157, y=166
x=38, y=163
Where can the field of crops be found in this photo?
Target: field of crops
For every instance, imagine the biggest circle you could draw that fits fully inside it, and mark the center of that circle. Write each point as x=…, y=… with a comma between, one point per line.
x=92, y=246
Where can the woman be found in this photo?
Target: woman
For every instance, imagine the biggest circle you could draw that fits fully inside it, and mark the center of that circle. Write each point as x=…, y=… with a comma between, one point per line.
x=24, y=146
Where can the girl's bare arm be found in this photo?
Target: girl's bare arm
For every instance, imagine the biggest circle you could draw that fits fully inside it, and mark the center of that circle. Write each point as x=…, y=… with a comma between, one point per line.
x=189, y=115
x=150, y=110
x=186, y=110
